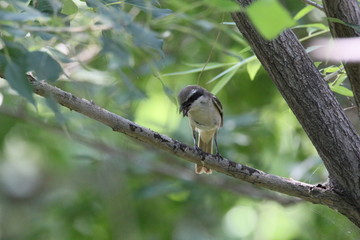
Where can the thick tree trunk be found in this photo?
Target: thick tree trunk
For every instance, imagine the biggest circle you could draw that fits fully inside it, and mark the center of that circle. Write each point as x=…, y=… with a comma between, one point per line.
x=314, y=105
x=349, y=12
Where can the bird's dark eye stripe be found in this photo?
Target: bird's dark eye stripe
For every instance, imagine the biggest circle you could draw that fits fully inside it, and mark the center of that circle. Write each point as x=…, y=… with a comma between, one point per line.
x=193, y=97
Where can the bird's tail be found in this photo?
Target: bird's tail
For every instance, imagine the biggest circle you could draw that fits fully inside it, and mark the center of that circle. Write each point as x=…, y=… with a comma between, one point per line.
x=206, y=146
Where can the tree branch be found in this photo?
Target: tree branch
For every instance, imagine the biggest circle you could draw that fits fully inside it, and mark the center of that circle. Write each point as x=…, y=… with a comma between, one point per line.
x=349, y=12
x=318, y=6
x=313, y=193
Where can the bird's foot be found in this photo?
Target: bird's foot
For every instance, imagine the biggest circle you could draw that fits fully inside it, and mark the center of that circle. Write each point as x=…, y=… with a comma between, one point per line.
x=198, y=150
x=217, y=155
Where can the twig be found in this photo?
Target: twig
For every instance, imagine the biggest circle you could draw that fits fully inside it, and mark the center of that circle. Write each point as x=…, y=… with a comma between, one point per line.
x=318, y=6
x=333, y=74
x=211, y=51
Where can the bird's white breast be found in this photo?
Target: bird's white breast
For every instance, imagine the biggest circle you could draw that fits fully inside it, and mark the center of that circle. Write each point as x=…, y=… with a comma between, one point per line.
x=204, y=115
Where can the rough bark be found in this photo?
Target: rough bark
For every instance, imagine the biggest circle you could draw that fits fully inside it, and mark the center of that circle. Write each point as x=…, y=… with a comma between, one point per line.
x=349, y=12
x=314, y=105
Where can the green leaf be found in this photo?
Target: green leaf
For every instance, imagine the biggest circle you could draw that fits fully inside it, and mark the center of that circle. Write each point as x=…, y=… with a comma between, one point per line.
x=69, y=7
x=210, y=65
x=223, y=73
x=14, y=31
x=16, y=76
x=19, y=17
x=48, y=6
x=15, y=50
x=303, y=12
x=354, y=26
x=342, y=90
x=236, y=66
x=116, y=16
x=145, y=38
x=269, y=17
x=100, y=62
x=318, y=26
x=340, y=79
x=120, y=56
x=331, y=69
x=253, y=67
x=228, y=74
x=44, y=66
x=317, y=64
x=140, y=35
x=59, y=55
x=44, y=35
x=223, y=81
x=146, y=6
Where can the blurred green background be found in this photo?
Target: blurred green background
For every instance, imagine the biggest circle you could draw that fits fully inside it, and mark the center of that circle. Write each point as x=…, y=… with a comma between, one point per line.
x=64, y=176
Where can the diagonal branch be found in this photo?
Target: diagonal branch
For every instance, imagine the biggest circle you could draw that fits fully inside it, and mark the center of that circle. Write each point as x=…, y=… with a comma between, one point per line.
x=314, y=105
x=315, y=194
x=312, y=102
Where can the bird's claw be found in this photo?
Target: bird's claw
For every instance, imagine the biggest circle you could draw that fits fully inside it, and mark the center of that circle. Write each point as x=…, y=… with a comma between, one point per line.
x=217, y=155
x=197, y=149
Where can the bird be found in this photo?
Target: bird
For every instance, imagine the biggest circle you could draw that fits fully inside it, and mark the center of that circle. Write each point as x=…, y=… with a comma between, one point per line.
x=205, y=114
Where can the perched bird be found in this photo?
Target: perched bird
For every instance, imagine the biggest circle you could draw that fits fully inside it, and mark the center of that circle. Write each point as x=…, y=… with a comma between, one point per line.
x=205, y=115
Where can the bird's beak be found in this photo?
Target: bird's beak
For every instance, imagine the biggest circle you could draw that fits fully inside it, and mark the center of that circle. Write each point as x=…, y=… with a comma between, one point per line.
x=183, y=109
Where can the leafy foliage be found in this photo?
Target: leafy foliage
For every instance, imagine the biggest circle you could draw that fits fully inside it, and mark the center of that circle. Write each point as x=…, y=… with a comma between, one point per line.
x=64, y=176
x=274, y=18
